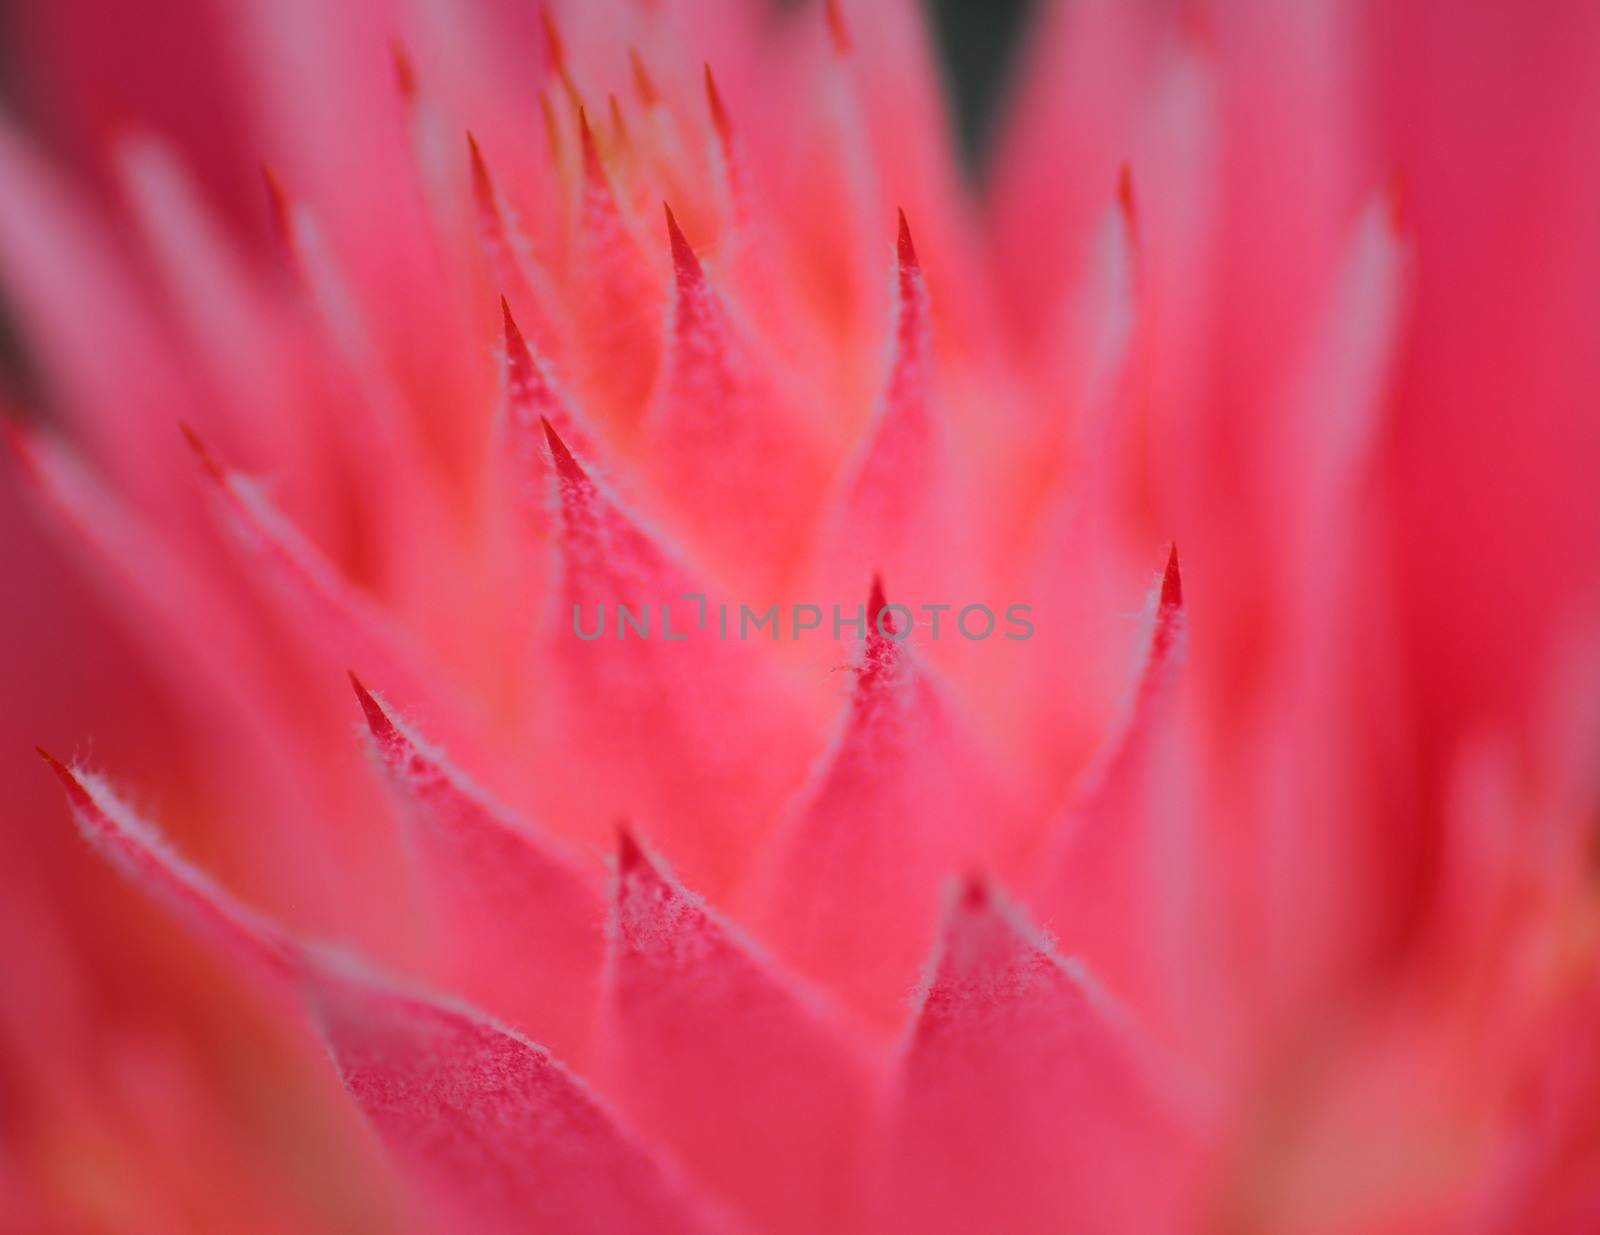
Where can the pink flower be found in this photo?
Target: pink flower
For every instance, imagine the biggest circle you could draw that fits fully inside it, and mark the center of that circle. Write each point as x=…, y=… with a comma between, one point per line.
x=764, y=805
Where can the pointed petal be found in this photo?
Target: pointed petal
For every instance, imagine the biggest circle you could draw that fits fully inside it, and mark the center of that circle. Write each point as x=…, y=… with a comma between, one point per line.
x=756, y=1085
x=138, y=850
x=829, y=187
x=499, y=1134
x=223, y=316
x=718, y=111
x=520, y=919
x=405, y=72
x=617, y=297
x=1326, y=805
x=893, y=70
x=1334, y=409
x=1107, y=887
x=1077, y=104
x=1090, y=340
x=335, y=620
x=898, y=508
x=703, y=365
x=381, y=410
x=1024, y=1105
x=838, y=28
x=531, y=399
x=620, y=137
x=607, y=554
x=278, y=213
x=404, y=497
x=694, y=728
x=1119, y=764
x=154, y=586
x=512, y=269
x=555, y=50
x=529, y=395
x=901, y=802
x=644, y=85
x=716, y=423
x=729, y=165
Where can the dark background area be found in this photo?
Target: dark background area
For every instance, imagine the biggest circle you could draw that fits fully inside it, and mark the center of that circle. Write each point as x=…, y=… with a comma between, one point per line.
x=977, y=40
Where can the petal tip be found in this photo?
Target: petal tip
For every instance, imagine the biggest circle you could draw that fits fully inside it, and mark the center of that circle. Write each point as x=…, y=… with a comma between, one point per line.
x=838, y=31
x=77, y=791
x=555, y=50
x=876, y=602
x=405, y=73
x=905, y=249
x=277, y=208
x=378, y=720
x=567, y=466
x=619, y=126
x=644, y=86
x=972, y=893
x=593, y=171
x=208, y=461
x=515, y=343
x=630, y=856
x=684, y=262
x=482, y=182
x=1126, y=201
x=719, y=112
x=1172, y=581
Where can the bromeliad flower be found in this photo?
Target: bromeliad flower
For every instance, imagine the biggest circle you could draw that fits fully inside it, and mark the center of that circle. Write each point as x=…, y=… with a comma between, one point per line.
x=764, y=805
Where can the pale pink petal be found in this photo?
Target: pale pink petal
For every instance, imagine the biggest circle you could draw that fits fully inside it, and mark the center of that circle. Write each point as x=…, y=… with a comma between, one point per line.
x=520, y=919
x=901, y=506
x=717, y=421
x=617, y=298
x=1112, y=865
x=136, y=849
x=696, y=731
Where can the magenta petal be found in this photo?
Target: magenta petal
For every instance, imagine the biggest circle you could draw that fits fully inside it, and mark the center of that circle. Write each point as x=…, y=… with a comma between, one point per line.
x=531, y=397
x=498, y=1133
x=502, y=1136
x=618, y=297
x=902, y=801
x=698, y=733
x=899, y=507
x=513, y=270
x=758, y=1086
x=136, y=849
x=334, y=618
x=1025, y=1103
x=1107, y=876
x=1313, y=287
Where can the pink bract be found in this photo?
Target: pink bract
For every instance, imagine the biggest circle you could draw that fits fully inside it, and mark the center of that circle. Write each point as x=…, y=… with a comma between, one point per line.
x=792, y=781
